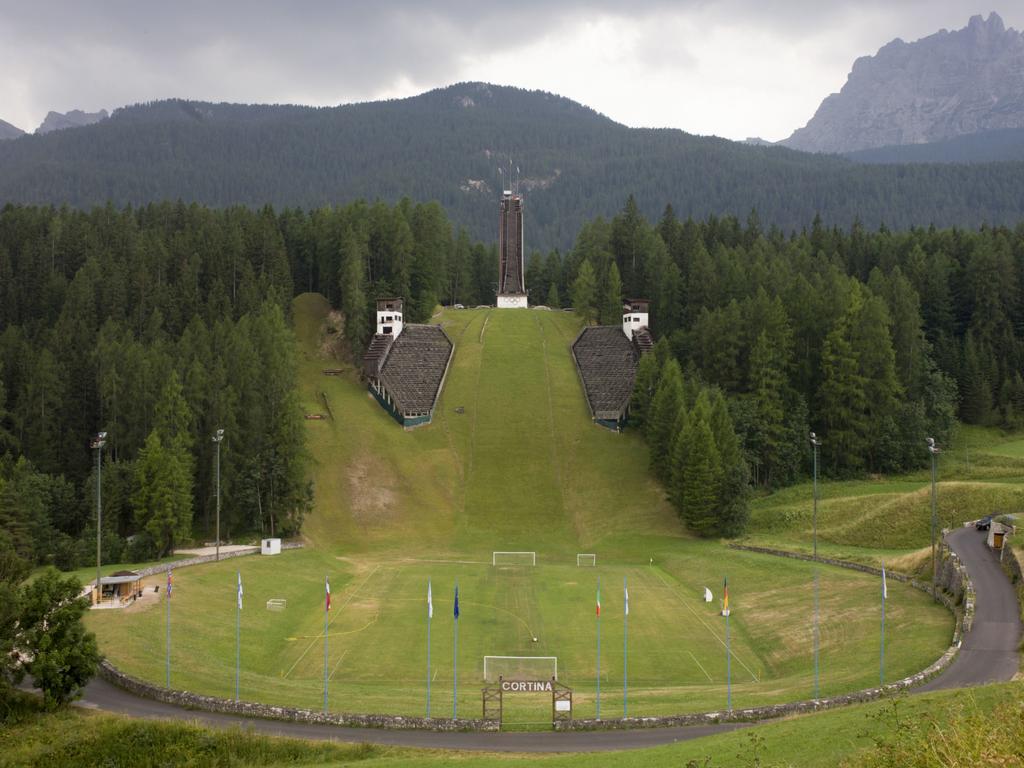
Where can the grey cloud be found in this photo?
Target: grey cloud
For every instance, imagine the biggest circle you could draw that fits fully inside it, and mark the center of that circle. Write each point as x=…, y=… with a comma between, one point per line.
x=66, y=53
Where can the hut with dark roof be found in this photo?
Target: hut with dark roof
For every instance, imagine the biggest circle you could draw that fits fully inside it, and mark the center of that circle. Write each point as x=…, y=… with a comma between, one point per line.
x=406, y=365
x=607, y=357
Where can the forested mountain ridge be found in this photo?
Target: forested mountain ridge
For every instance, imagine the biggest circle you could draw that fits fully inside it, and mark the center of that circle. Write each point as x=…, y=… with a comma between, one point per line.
x=448, y=144
x=985, y=147
x=945, y=85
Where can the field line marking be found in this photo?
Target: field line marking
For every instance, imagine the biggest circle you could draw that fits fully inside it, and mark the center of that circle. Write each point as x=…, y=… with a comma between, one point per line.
x=484, y=327
x=337, y=664
x=701, y=667
x=313, y=641
x=707, y=626
x=455, y=562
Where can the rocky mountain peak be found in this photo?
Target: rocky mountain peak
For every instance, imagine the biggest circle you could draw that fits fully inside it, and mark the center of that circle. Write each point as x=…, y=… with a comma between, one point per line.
x=945, y=85
x=76, y=118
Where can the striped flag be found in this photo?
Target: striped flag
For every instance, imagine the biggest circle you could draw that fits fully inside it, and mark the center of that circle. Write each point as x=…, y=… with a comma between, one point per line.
x=625, y=592
x=239, y=590
x=599, y=599
x=169, y=583
x=456, y=602
x=327, y=585
x=725, y=598
x=430, y=603
x=885, y=590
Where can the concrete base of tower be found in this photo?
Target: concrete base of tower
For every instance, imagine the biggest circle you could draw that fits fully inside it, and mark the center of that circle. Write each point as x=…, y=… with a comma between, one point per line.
x=512, y=301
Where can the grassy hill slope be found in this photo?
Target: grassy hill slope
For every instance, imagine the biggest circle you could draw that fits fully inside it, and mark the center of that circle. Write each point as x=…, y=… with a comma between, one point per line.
x=511, y=460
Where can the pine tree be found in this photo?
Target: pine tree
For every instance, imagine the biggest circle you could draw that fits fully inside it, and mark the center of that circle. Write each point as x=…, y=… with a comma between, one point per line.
x=163, y=497
x=734, y=487
x=552, y=300
x=842, y=405
x=648, y=375
x=701, y=477
x=584, y=294
x=611, y=298
x=353, y=298
x=668, y=400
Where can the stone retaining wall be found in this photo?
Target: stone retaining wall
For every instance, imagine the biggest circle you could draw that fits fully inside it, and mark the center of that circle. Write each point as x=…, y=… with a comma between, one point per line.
x=164, y=567
x=951, y=566
x=269, y=712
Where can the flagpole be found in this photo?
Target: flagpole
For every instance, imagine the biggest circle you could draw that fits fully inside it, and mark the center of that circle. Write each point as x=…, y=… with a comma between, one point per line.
x=625, y=649
x=728, y=653
x=455, y=664
x=327, y=608
x=430, y=614
x=881, y=663
x=168, y=622
x=598, y=647
x=238, y=632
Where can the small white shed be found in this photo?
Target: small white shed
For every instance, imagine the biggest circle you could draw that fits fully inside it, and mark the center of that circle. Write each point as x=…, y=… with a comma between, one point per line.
x=270, y=547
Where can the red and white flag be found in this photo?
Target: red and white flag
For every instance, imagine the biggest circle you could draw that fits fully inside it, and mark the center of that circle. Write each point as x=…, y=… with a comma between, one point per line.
x=598, y=599
x=327, y=586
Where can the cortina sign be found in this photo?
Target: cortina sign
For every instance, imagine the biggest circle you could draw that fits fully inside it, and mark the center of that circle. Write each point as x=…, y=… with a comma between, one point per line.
x=526, y=686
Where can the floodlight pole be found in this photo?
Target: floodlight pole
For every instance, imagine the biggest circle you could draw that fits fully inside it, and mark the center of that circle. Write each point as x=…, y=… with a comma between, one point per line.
x=933, y=449
x=218, y=438
x=815, y=445
x=97, y=444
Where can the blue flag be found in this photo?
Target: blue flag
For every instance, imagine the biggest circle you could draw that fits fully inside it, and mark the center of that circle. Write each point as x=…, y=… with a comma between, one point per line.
x=456, y=602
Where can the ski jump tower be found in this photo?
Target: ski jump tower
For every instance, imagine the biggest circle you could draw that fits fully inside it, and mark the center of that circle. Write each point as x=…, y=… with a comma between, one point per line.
x=511, y=286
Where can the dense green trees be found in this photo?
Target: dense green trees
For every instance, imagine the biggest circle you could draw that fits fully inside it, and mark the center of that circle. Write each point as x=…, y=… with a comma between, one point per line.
x=41, y=632
x=872, y=339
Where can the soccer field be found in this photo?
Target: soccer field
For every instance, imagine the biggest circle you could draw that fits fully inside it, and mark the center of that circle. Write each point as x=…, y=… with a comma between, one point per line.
x=377, y=631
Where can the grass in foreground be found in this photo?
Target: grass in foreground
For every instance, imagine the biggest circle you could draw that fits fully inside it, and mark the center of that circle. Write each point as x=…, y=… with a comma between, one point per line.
x=980, y=727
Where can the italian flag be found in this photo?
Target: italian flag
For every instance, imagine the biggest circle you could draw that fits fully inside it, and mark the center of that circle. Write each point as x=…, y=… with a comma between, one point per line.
x=327, y=585
x=599, y=600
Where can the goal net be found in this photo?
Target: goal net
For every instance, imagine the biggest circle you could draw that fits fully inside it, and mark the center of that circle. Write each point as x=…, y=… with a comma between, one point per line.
x=513, y=558
x=276, y=604
x=586, y=560
x=520, y=668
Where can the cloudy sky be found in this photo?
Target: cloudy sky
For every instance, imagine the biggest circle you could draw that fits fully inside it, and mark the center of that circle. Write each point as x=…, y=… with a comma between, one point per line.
x=733, y=68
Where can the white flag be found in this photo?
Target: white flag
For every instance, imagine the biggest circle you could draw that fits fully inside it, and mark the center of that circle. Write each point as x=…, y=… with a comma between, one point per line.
x=885, y=590
x=626, y=592
x=430, y=603
x=707, y=595
x=239, y=590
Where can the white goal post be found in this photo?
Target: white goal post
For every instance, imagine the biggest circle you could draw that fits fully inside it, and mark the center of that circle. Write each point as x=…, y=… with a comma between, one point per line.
x=277, y=604
x=520, y=668
x=584, y=559
x=513, y=558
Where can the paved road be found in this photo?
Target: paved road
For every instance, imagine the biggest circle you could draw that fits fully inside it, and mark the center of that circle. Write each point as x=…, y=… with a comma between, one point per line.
x=989, y=650
x=988, y=654
x=100, y=694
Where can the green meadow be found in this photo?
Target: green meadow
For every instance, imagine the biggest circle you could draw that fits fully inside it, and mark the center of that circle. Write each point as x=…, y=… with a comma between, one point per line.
x=510, y=462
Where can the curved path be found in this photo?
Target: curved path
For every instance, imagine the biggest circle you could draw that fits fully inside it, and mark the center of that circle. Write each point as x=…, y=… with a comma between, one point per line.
x=988, y=654
x=989, y=651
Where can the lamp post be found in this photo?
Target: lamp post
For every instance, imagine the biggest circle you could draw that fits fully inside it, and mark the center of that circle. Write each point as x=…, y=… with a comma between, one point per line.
x=218, y=437
x=815, y=445
x=933, y=449
x=97, y=444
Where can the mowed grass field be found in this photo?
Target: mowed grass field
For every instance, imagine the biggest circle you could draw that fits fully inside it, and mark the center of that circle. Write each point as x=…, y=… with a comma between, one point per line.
x=377, y=631
x=510, y=462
